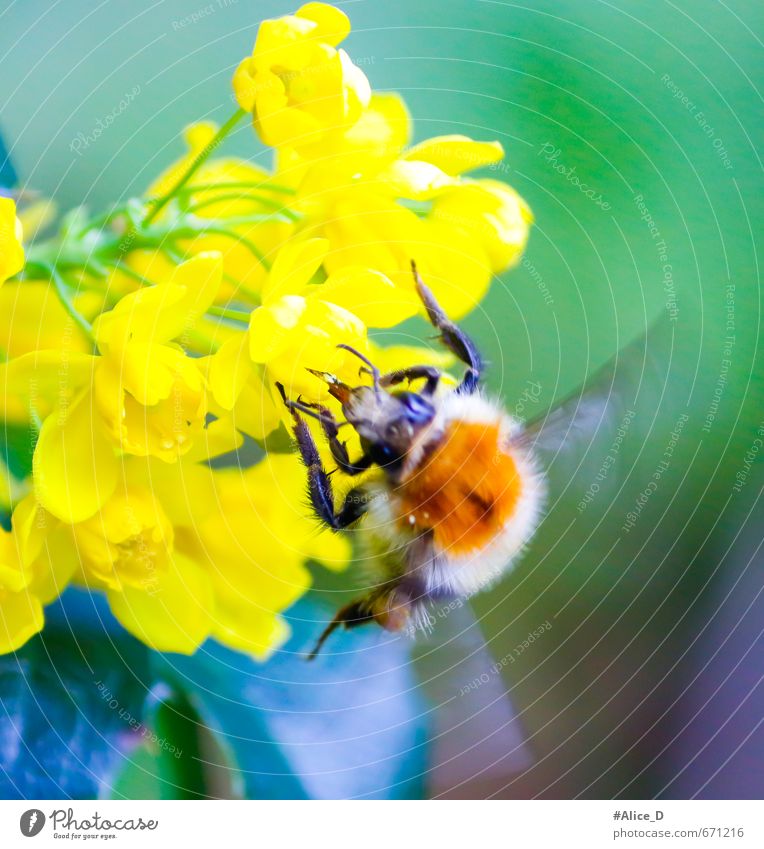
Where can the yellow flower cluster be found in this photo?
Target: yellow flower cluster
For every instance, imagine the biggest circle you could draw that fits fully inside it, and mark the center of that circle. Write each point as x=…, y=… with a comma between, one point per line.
x=143, y=348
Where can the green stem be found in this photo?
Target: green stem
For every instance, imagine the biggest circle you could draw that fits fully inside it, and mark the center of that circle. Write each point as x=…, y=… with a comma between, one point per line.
x=251, y=246
x=228, y=312
x=243, y=184
x=62, y=291
x=262, y=200
x=198, y=161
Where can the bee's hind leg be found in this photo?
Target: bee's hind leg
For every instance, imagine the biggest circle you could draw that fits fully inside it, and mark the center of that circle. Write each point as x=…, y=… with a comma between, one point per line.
x=350, y=616
x=388, y=606
x=319, y=485
x=452, y=337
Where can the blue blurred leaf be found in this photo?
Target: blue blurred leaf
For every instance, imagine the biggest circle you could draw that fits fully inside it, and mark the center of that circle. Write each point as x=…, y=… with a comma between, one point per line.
x=79, y=699
x=350, y=724
x=68, y=698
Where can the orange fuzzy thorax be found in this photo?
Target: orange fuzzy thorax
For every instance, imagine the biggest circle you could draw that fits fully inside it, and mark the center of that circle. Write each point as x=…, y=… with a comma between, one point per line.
x=464, y=491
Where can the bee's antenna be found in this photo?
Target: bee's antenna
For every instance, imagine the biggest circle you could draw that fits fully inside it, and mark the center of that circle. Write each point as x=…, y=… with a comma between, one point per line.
x=350, y=616
x=372, y=369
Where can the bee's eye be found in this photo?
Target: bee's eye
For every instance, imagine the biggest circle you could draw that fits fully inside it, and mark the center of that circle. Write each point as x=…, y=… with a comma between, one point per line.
x=418, y=409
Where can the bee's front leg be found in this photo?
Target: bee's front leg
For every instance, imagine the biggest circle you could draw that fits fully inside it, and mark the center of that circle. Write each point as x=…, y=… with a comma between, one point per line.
x=455, y=339
x=319, y=485
x=430, y=373
x=339, y=449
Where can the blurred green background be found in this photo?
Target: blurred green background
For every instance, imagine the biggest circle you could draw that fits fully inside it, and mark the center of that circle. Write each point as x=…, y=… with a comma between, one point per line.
x=648, y=680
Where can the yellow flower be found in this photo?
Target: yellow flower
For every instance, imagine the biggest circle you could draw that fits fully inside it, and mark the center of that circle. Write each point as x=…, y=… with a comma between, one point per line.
x=21, y=613
x=297, y=85
x=240, y=189
x=11, y=249
x=34, y=319
x=161, y=596
x=493, y=214
x=258, y=543
x=359, y=196
x=32, y=384
x=37, y=559
x=127, y=543
x=174, y=613
x=240, y=542
x=298, y=327
x=143, y=395
x=370, y=229
x=354, y=189
x=149, y=391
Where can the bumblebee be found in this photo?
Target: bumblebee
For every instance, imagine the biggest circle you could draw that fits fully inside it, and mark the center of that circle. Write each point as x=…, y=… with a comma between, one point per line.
x=459, y=494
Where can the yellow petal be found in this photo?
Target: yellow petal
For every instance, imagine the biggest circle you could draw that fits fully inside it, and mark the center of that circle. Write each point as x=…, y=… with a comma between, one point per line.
x=256, y=413
x=456, y=154
x=35, y=319
x=492, y=214
x=454, y=265
x=35, y=381
x=271, y=326
x=228, y=369
x=21, y=617
x=331, y=550
x=147, y=314
x=295, y=265
x=369, y=295
x=201, y=277
x=13, y=576
x=11, y=249
x=396, y=357
x=246, y=627
x=175, y=614
x=415, y=180
x=332, y=24
x=74, y=466
x=382, y=130
x=56, y=564
x=219, y=437
x=279, y=124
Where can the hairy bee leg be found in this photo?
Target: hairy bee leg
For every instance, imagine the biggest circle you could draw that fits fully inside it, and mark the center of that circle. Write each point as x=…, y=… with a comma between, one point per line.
x=319, y=486
x=339, y=450
x=432, y=375
x=452, y=337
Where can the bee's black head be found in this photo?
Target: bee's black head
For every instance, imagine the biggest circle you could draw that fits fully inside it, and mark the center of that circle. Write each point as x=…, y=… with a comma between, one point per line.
x=389, y=425
x=387, y=421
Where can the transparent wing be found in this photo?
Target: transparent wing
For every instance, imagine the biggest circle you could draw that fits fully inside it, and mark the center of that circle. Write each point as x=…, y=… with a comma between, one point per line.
x=635, y=379
x=477, y=736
